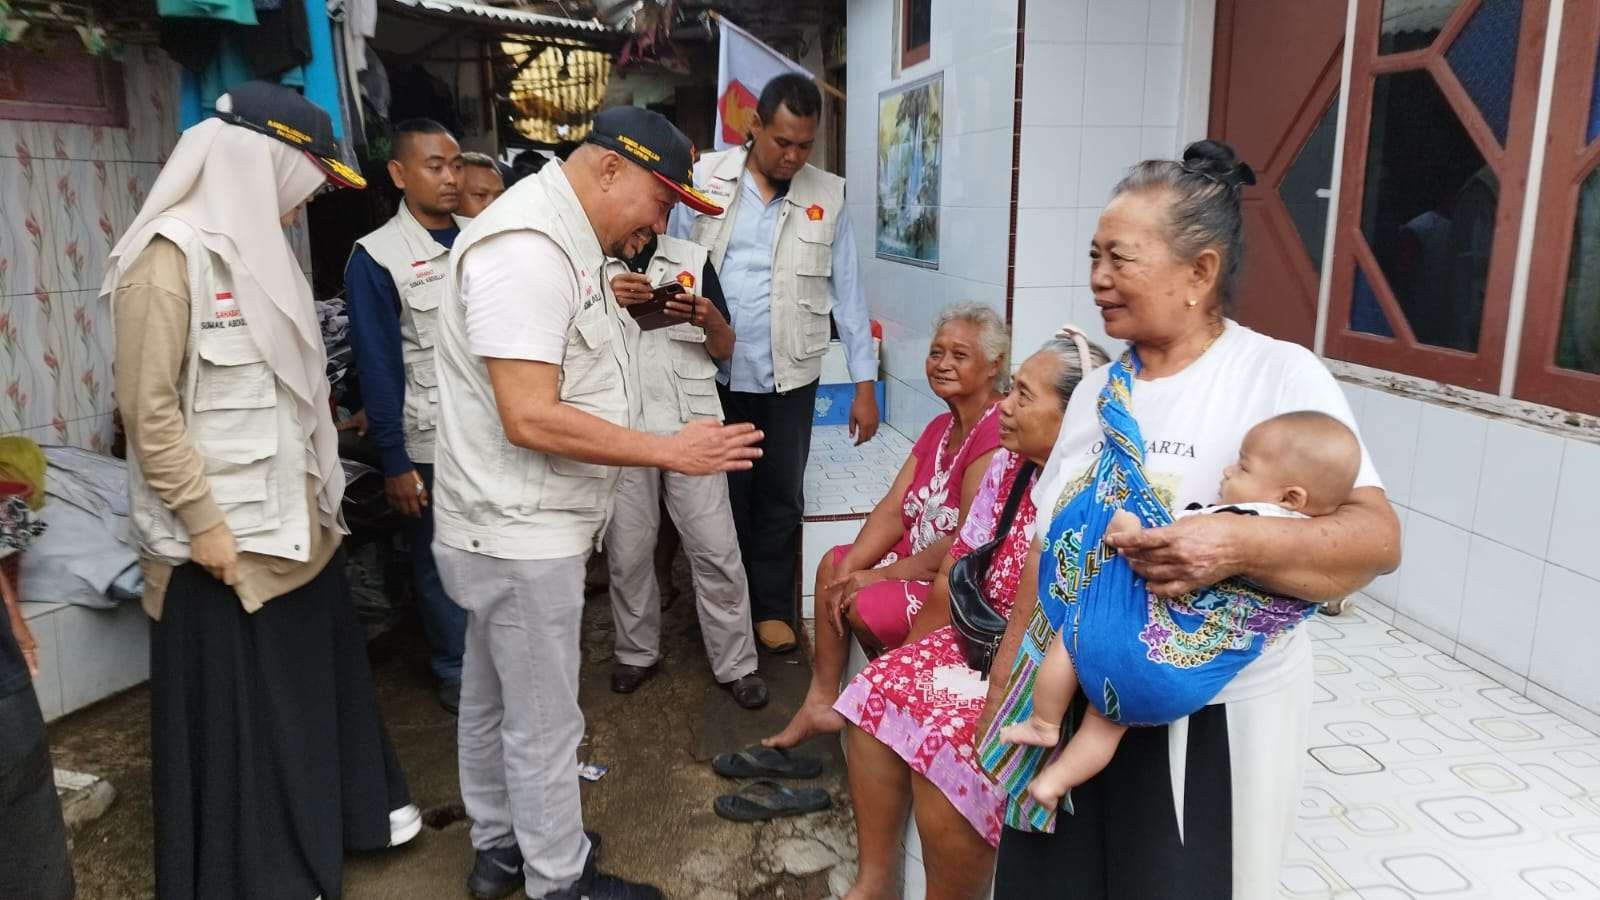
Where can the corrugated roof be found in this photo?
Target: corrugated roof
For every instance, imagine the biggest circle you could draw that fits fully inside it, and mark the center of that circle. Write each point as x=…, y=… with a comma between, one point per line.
x=515, y=20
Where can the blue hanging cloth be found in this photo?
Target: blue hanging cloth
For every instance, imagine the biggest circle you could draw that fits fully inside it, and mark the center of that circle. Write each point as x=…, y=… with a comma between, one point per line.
x=228, y=65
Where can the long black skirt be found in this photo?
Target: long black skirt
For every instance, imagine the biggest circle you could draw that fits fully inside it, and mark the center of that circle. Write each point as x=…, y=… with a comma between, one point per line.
x=268, y=754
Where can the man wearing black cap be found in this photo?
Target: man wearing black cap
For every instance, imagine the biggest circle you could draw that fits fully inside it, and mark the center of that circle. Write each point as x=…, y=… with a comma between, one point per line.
x=538, y=401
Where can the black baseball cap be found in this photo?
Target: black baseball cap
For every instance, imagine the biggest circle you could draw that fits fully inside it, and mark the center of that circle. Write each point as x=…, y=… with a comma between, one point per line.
x=652, y=141
x=281, y=112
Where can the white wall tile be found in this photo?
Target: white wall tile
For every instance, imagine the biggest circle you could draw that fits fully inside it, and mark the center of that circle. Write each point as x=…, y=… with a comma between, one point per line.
x=1113, y=84
x=1564, y=657
x=1158, y=143
x=1060, y=21
x=1088, y=221
x=1119, y=21
x=1108, y=153
x=1163, y=85
x=1167, y=21
x=1042, y=236
x=1086, y=316
x=1500, y=603
x=1444, y=481
x=1386, y=588
x=993, y=86
x=1390, y=432
x=1052, y=85
x=1356, y=395
x=1036, y=313
x=1050, y=163
x=1575, y=526
x=1517, y=499
x=1433, y=574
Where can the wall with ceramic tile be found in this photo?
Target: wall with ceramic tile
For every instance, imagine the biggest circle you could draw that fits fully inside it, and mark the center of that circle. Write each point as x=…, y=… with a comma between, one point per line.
x=69, y=192
x=974, y=46
x=1502, y=543
x=1103, y=87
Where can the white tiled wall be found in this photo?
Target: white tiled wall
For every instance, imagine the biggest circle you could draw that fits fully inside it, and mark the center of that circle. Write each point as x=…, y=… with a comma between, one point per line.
x=1502, y=542
x=1103, y=88
x=974, y=45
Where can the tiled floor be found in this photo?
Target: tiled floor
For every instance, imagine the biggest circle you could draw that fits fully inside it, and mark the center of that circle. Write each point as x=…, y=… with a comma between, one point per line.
x=842, y=479
x=1426, y=778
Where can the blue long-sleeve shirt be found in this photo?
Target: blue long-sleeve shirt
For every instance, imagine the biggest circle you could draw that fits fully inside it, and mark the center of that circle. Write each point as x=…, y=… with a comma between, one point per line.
x=373, y=305
x=746, y=274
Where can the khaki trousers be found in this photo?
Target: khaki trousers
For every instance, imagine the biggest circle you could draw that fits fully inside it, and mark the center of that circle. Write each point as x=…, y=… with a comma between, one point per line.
x=699, y=507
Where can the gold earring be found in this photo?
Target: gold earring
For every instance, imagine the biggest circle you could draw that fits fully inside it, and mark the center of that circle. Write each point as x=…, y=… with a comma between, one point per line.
x=1191, y=303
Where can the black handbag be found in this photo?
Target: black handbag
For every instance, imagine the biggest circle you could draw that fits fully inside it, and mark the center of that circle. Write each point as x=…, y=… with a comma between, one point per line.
x=978, y=627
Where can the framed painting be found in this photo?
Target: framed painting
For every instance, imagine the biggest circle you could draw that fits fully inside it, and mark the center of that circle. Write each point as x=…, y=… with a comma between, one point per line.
x=910, y=142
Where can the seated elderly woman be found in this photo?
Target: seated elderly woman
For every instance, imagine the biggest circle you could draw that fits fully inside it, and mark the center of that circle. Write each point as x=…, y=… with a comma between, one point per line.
x=913, y=710
x=874, y=586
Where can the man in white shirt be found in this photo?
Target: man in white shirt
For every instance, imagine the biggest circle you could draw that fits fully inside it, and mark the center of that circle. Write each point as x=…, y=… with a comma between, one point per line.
x=538, y=399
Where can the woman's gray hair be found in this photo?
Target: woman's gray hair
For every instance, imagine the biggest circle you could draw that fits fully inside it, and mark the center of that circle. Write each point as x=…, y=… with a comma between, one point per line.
x=1204, y=212
x=994, y=339
x=1073, y=366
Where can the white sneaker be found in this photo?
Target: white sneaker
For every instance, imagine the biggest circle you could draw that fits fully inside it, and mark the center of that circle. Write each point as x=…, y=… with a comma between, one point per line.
x=405, y=823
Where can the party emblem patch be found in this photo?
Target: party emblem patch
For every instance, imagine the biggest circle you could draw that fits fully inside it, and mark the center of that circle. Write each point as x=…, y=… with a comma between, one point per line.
x=814, y=213
x=686, y=279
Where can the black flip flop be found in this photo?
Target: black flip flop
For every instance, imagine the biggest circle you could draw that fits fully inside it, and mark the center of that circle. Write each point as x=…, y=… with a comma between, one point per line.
x=760, y=801
x=757, y=761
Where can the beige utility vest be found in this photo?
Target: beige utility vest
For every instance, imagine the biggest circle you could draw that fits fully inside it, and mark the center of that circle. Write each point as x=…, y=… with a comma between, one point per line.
x=491, y=496
x=420, y=268
x=802, y=258
x=676, y=376
x=242, y=422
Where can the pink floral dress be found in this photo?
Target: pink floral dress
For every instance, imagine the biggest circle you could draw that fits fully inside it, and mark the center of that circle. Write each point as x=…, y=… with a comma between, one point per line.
x=929, y=510
x=921, y=700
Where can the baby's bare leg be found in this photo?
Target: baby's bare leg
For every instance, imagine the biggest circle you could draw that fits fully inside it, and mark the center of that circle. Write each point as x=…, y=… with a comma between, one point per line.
x=1053, y=689
x=1089, y=751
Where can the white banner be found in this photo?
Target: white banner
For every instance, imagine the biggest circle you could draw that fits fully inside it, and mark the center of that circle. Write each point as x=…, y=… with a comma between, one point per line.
x=744, y=66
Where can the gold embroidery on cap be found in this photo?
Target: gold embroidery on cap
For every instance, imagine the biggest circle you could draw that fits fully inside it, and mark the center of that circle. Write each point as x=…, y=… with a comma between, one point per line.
x=293, y=135
x=638, y=149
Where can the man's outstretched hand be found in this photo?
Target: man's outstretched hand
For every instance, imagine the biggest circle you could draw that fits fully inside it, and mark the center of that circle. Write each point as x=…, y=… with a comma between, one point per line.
x=706, y=447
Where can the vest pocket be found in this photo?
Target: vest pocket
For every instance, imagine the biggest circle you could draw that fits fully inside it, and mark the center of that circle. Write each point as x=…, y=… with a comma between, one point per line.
x=573, y=485
x=243, y=482
x=581, y=371
x=233, y=374
x=422, y=393
x=814, y=322
x=814, y=256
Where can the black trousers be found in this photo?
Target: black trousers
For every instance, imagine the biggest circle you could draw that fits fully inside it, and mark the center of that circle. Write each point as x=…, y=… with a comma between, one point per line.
x=33, y=854
x=769, y=499
x=1123, y=842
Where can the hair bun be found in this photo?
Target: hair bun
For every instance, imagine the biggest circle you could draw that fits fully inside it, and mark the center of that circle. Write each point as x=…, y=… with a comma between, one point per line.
x=1218, y=162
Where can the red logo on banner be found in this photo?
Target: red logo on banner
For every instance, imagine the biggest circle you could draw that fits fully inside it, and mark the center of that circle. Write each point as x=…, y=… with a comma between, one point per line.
x=738, y=108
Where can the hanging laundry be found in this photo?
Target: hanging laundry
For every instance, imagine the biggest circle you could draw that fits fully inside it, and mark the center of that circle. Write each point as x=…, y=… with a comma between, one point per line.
x=242, y=12
x=282, y=40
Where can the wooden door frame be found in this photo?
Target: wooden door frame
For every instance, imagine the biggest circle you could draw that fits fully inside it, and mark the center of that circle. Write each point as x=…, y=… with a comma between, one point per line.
x=1480, y=370
x=1568, y=160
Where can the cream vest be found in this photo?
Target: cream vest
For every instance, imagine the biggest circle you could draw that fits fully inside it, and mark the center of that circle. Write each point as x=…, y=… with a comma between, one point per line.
x=241, y=421
x=802, y=258
x=419, y=266
x=491, y=496
x=676, y=377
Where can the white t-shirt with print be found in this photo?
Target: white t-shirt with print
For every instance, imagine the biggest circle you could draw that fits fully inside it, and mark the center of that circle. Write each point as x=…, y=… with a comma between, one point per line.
x=1193, y=423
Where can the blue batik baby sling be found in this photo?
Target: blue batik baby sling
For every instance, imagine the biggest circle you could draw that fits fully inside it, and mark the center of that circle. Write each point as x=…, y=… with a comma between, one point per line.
x=1140, y=660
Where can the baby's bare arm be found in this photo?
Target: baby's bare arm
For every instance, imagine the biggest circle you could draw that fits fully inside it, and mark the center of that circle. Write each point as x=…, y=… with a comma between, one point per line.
x=1123, y=522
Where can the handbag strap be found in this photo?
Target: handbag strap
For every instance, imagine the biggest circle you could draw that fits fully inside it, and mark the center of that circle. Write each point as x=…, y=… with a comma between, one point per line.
x=1018, y=488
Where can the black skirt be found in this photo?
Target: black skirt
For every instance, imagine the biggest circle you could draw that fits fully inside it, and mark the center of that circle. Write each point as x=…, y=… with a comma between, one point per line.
x=269, y=757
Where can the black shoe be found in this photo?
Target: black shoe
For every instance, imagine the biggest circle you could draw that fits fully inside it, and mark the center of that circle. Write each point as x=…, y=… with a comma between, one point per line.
x=605, y=887
x=749, y=692
x=496, y=873
x=450, y=696
x=625, y=679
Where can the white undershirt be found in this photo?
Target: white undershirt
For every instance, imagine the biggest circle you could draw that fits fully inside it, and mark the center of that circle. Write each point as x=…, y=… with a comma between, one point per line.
x=1193, y=423
x=521, y=293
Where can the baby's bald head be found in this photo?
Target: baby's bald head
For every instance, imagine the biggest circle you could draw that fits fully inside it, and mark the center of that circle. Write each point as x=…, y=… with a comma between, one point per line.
x=1306, y=461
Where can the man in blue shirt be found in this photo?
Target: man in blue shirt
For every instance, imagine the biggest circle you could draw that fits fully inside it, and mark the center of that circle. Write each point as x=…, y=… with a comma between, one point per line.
x=394, y=283
x=786, y=253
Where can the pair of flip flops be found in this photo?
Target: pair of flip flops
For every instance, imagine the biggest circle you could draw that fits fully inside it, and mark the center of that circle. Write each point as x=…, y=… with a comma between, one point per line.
x=766, y=799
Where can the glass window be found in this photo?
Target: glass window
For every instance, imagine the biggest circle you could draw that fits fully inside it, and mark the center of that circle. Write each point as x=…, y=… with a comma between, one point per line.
x=1578, y=343
x=1412, y=24
x=919, y=23
x=1312, y=171
x=1366, y=316
x=1484, y=56
x=1428, y=210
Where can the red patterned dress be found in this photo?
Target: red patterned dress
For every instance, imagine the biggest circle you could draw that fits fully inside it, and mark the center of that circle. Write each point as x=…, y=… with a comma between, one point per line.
x=921, y=700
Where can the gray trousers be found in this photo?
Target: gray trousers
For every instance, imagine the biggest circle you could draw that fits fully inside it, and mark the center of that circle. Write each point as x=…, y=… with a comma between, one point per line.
x=699, y=507
x=519, y=727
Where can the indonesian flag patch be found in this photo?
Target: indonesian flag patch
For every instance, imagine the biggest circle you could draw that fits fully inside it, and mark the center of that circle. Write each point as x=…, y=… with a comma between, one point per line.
x=814, y=213
x=686, y=278
x=226, y=306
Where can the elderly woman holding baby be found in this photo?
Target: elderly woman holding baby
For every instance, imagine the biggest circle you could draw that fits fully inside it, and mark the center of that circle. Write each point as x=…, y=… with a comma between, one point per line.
x=1201, y=807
